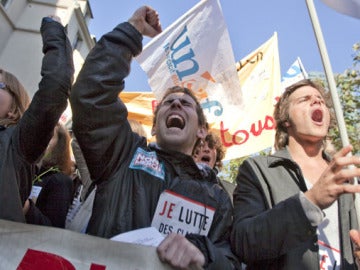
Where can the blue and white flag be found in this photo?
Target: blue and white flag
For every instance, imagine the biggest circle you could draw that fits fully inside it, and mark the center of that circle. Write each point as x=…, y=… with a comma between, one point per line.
x=295, y=73
x=195, y=52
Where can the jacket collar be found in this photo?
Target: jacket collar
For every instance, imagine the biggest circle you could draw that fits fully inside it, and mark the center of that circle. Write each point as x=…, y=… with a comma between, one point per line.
x=280, y=157
x=283, y=155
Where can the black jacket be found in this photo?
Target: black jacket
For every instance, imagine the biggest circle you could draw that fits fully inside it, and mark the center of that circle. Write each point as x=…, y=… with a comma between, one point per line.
x=53, y=201
x=22, y=145
x=130, y=175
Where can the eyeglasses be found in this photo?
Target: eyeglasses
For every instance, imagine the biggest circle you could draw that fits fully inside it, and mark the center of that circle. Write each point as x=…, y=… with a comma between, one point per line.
x=2, y=85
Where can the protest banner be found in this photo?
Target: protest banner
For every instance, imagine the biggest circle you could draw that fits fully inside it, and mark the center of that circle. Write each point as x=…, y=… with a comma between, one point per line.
x=259, y=75
x=195, y=52
x=179, y=214
x=141, y=106
x=33, y=247
x=244, y=129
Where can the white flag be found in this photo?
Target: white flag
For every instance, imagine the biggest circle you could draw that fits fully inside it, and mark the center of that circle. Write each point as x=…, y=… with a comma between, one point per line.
x=347, y=7
x=194, y=52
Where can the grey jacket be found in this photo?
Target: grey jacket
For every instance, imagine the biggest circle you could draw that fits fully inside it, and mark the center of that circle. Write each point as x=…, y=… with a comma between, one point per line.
x=271, y=230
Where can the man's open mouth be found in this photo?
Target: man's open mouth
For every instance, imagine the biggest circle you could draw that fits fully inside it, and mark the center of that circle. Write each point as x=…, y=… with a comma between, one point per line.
x=175, y=120
x=205, y=159
x=317, y=116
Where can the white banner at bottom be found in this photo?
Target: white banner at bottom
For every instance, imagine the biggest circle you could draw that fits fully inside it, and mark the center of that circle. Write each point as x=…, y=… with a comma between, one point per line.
x=30, y=247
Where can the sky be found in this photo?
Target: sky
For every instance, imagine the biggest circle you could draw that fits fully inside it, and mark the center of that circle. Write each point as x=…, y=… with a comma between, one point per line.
x=250, y=24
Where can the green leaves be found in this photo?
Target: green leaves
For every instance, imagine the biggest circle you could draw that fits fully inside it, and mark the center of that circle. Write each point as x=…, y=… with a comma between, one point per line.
x=348, y=84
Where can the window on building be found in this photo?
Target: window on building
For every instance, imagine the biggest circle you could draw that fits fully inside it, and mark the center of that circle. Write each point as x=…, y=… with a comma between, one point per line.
x=78, y=42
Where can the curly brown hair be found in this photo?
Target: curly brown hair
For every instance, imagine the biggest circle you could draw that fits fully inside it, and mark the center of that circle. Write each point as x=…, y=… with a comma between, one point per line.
x=214, y=142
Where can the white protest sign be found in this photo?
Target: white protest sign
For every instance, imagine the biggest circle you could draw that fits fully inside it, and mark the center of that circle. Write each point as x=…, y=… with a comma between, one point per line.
x=179, y=214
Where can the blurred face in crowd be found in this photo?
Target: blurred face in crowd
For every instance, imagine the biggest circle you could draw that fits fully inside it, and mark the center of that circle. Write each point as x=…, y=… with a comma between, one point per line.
x=6, y=100
x=14, y=99
x=205, y=153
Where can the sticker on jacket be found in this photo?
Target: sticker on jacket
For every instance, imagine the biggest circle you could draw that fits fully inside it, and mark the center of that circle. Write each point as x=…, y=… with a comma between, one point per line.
x=35, y=191
x=148, y=162
x=179, y=214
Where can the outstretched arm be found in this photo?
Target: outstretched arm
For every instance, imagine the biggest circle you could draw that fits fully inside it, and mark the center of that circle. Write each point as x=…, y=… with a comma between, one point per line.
x=99, y=116
x=36, y=127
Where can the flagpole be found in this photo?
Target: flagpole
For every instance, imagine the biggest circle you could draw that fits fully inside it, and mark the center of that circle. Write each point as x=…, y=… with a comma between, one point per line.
x=332, y=86
x=303, y=71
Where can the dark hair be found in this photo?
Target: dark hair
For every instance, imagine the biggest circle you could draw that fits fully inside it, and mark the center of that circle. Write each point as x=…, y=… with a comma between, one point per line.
x=281, y=112
x=179, y=89
x=21, y=98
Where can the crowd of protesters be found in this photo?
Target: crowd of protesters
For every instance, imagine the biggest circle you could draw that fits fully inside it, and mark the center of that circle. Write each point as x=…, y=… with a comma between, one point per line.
x=293, y=209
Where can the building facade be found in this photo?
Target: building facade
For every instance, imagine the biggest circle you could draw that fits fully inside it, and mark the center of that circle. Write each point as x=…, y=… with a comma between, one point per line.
x=21, y=44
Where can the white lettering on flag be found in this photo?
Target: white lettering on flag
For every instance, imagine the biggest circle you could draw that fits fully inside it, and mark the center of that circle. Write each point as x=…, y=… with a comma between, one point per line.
x=194, y=52
x=244, y=128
